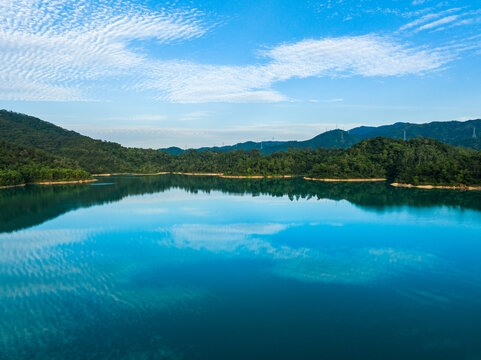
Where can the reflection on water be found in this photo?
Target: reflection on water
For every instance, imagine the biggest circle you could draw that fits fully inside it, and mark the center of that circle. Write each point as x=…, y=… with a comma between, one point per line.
x=178, y=267
x=32, y=205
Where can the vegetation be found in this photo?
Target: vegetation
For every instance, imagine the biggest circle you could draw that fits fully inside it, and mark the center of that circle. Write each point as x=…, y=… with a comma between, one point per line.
x=43, y=151
x=20, y=165
x=94, y=156
x=457, y=133
x=417, y=161
x=32, y=205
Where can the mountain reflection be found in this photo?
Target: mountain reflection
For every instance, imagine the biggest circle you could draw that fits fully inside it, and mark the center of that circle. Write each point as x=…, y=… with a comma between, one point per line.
x=32, y=205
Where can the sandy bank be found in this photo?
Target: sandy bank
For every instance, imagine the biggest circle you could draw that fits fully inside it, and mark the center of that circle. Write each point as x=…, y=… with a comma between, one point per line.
x=11, y=186
x=257, y=176
x=198, y=174
x=135, y=174
x=50, y=183
x=202, y=174
x=343, y=180
x=460, y=187
x=63, y=182
x=235, y=176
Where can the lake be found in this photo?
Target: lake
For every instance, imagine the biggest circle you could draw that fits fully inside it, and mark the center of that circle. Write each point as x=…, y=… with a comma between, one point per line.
x=183, y=267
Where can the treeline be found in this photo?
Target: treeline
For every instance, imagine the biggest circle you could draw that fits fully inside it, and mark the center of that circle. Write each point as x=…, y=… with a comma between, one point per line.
x=94, y=156
x=34, y=150
x=20, y=165
x=41, y=204
x=416, y=161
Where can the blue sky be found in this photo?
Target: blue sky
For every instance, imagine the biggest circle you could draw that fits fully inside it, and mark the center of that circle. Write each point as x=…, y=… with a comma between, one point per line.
x=204, y=72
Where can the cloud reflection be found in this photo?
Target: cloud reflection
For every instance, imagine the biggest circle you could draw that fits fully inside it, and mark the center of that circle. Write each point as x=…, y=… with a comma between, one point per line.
x=354, y=266
x=309, y=264
x=48, y=281
x=233, y=239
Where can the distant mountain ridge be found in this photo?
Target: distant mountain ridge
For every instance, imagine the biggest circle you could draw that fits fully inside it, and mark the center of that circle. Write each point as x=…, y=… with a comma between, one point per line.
x=457, y=133
x=33, y=150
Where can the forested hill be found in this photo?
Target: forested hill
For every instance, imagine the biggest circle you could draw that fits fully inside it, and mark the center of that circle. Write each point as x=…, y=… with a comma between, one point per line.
x=330, y=139
x=34, y=150
x=457, y=133
x=95, y=156
x=20, y=165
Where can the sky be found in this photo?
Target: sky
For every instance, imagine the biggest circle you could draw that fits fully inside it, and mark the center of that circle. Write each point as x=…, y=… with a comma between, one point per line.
x=194, y=73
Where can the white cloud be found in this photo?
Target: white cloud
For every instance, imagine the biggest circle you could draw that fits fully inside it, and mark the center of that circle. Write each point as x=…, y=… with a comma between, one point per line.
x=466, y=118
x=367, y=55
x=49, y=50
x=195, y=115
x=156, y=137
x=427, y=17
x=148, y=117
x=72, y=50
x=443, y=21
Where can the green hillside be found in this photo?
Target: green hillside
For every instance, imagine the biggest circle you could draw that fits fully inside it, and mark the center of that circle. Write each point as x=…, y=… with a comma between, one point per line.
x=20, y=165
x=95, y=156
x=34, y=150
x=330, y=139
x=416, y=161
x=457, y=133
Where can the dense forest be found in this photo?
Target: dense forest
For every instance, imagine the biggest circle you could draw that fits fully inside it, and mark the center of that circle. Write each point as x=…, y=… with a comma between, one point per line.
x=416, y=161
x=34, y=150
x=20, y=165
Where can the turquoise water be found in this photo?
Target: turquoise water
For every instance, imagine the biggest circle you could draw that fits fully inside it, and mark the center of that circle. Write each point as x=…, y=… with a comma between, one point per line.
x=177, y=267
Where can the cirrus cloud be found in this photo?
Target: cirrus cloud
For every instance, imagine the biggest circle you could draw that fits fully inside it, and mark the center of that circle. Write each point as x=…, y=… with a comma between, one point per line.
x=76, y=50
x=368, y=55
x=58, y=50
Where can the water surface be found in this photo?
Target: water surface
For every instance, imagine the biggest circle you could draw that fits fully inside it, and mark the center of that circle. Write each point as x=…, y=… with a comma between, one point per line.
x=178, y=267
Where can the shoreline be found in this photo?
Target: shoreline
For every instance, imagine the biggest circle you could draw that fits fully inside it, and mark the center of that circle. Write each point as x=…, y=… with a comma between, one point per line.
x=134, y=174
x=49, y=183
x=343, y=180
x=199, y=174
x=293, y=176
x=429, y=187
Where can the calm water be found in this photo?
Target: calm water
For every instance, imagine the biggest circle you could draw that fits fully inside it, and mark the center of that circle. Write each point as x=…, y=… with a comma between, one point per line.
x=177, y=267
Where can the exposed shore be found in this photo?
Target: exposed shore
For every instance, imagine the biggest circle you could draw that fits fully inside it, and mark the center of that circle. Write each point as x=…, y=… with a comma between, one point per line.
x=11, y=186
x=343, y=180
x=460, y=187
x=201, y=174
x=50, y=183
x=135, y=174
x=304, y=177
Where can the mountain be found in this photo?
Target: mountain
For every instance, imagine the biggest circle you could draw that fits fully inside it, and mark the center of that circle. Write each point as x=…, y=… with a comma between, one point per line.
x=35, y=150
x=329, y=139
x=457, y=133
x=173, y=150
x=95, y=156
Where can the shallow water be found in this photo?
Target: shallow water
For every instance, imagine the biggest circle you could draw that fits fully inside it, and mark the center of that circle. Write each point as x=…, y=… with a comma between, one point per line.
x=181, y=267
